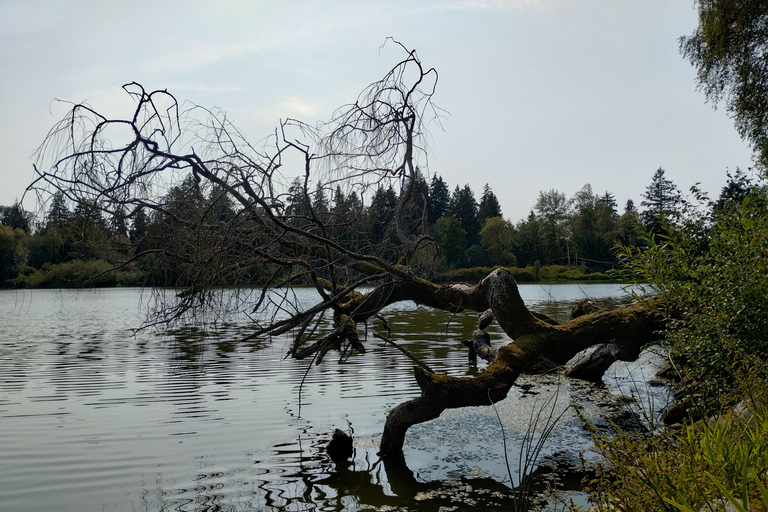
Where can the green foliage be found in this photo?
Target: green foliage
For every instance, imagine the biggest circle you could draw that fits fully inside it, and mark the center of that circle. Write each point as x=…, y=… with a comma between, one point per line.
x=451, y=239
x=553, y=208
x=16, y=217
x=566, y=273
x=526, y=241
x=13, y=253
x=489, y=205
x=381, y=213
x=496, y=240
x=699, y=468
x=194, y=222
x=475, y=274
x=594, y=227
x=524, y=275
x=77, y=273
x=714, y=273
x=662, y=202
x=730, y=52
x=463, y=207
x=439, y=199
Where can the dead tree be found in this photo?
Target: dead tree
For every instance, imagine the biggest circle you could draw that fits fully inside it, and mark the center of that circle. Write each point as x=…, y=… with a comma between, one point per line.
x=224, y=212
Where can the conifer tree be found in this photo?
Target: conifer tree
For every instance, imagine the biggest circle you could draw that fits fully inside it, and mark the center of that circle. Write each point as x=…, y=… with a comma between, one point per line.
x=439, y=199
x=489, y=205
x=661, y=201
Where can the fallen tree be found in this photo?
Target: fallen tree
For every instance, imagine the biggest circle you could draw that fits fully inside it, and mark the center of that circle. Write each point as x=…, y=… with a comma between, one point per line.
x=629, y=327
x=223, y=212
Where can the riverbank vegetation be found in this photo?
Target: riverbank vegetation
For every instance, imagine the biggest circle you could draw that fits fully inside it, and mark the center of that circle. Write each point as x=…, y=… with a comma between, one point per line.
x=713, y=272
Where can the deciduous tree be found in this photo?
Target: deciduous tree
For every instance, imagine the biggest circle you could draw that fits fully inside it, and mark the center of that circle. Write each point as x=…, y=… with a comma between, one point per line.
x=729, y=49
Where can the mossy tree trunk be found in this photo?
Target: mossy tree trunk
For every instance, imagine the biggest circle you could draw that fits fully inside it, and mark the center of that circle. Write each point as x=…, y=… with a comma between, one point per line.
x=630, y=327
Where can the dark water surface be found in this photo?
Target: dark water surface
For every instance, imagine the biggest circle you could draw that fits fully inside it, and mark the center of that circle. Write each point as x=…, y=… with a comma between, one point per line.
x=95, y=418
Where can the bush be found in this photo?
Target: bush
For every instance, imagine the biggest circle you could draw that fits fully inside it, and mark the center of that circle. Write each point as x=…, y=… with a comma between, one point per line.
x=475, y=274
x=565, y=273
x=714, y=275
x=699, y=468
x=524, y=275
x=79, y=273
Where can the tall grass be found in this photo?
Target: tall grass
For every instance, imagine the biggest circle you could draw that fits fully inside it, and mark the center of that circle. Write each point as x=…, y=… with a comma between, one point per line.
x=543, y=420
x=703, y=467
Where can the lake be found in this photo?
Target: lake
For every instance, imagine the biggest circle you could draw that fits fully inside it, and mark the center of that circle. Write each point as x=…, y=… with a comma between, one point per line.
x=94, y=416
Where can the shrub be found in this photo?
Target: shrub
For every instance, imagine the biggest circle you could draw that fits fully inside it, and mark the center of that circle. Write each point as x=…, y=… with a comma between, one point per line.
x=475, y=274
x=79, y=273
x=714, y=274
x=699, y=468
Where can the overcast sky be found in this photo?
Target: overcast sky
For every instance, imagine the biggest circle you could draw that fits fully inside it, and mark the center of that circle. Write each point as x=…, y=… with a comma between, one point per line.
x=542, y=94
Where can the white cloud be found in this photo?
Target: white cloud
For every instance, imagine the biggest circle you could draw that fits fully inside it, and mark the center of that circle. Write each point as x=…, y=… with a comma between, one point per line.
x=298, y=108
x=19, y=18
x=488, y=4
x=202, y=88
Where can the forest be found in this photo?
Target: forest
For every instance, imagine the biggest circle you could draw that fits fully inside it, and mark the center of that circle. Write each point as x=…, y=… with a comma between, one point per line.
x=71, y=244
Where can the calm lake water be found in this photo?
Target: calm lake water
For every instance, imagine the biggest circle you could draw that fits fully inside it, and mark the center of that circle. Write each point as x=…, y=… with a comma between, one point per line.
x=96, y=418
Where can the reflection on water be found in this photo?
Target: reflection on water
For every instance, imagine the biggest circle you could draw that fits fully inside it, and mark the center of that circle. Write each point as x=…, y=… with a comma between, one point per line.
x=93, y=417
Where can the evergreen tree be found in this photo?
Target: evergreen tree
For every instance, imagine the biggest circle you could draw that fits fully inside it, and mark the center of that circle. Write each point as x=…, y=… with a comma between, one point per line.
x=58, y=213
x=489, y=205
x=609, y=200
x=89, y=231
x=451, y=240
x=185, y=201
x=464, y=209
x=346, y=218
x=527, y=241
x=738, y=187
x=139, y=226
x=297, y=208
x=320, y=203
x=380, y=213
x=118, y=224
x=413, y=214
x=16, y=217
x=439, y=199
x=221, y=204
x=661, y=201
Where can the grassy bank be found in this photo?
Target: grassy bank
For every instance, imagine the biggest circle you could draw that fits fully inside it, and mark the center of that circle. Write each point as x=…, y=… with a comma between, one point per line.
x=547, y=273
x=78, y=274
x=96, y=273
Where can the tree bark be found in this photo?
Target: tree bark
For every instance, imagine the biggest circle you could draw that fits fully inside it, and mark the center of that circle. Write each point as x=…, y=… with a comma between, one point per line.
x=593, y=363
x=629, y=327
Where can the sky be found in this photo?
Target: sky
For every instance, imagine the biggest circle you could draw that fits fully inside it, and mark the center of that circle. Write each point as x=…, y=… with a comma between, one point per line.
x=539, y=94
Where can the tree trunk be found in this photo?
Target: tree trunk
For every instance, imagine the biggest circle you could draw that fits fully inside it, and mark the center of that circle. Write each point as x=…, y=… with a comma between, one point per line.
x=629, y=327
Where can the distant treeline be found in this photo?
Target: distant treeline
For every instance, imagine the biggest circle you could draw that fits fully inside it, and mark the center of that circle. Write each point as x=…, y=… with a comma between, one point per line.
x=561, y=238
